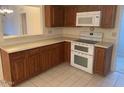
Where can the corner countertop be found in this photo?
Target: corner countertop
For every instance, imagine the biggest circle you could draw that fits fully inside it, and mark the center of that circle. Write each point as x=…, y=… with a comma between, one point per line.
x=40, y=43
x=104, y=44
x=26, y=46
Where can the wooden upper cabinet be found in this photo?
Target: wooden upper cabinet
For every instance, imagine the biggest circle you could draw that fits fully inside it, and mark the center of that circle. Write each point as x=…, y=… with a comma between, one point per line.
x=70, y=16
x=108, y=16
x=65, y=16
x=88, y=8
x=54, y=16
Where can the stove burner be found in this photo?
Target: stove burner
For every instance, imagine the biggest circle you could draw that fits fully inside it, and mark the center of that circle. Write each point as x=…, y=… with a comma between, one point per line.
x=86, y=41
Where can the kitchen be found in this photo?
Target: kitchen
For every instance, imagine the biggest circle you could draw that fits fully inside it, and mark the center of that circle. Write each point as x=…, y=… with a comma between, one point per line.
x=62, y=39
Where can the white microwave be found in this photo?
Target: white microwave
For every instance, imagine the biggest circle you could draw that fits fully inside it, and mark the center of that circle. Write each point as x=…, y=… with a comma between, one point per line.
x=88, y=18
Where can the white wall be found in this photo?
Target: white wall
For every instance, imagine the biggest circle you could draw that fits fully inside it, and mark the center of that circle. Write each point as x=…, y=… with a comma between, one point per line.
x=12, y=22
x=33, y=16
x=121, y=38
x=1, y=26
x=1, y=29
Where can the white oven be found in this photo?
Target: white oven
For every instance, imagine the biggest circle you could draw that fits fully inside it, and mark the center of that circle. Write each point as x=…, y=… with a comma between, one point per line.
x=82, y=50
x=82, y=56
x=82, y=61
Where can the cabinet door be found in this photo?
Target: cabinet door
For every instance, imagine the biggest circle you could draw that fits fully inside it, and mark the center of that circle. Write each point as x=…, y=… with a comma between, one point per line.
x=70, y=16
x=51, y=55
x=108, y=16
x=67, y=51
x=99, y=60
x=48, y=16
x=18, y=66
x=58, y=16
x=45, y=57
x=58, y=53
x=88, y=8
x=54, y=16
x=48, y=57
x=61, y=52
x=33, y=62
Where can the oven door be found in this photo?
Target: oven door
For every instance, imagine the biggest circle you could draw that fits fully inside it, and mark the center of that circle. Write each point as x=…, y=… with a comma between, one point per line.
x=84, y=48
x=82, y=61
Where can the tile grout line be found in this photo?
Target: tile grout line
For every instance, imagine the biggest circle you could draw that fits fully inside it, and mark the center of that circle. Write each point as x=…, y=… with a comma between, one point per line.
x=65, y=79
x=116, y=81
x=33, y=84
x=80, y=78
x=89, y=81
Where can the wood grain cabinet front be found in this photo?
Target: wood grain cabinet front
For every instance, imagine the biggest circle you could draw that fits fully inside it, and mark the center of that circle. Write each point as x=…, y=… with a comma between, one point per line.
x=32, y=64
x=65, y=16
x=20, y=66
x=54, y=15
x=102, y=60
x=67, y=51
x=70, y=16
x=108, y=16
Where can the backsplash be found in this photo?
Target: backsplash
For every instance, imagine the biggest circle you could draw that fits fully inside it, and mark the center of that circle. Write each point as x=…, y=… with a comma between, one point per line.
x=109, y=34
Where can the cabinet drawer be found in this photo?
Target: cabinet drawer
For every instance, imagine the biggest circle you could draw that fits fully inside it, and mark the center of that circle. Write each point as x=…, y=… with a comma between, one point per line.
x=33, y=51
x=17, y=55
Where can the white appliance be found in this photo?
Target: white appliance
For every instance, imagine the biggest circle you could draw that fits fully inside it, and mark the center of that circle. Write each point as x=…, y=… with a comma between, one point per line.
x=88, y=18
x=82, y=50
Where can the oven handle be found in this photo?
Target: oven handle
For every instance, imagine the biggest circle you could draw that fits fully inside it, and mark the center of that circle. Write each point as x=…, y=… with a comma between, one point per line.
x=80, y=44
x=77, y=52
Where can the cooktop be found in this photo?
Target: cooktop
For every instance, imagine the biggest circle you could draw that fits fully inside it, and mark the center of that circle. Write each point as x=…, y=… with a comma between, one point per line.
x=86, y=41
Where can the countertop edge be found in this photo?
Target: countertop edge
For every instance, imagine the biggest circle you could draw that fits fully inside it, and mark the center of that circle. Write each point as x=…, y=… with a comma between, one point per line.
x=47, y=42
x=104, y=44
x=32, y=47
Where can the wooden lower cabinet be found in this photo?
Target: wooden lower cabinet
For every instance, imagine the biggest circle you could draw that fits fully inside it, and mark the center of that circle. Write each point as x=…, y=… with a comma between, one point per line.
x=102, y=60
x=18, y=70
x=67, y=51
x=20, y=66
x=32, y=64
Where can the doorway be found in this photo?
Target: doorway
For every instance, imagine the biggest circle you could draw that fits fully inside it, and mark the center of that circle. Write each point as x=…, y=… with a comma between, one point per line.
x=120, y=48
x=24, y=23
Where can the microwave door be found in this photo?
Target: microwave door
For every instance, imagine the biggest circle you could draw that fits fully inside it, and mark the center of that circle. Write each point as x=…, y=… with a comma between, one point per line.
x=84, y=21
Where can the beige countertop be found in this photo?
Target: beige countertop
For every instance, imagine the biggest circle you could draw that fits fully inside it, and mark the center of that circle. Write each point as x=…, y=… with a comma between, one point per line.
x=104, y=44
x=25, y=46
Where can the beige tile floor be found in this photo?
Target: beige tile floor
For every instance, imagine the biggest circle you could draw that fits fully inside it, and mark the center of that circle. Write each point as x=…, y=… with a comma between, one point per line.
x=65, y=75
